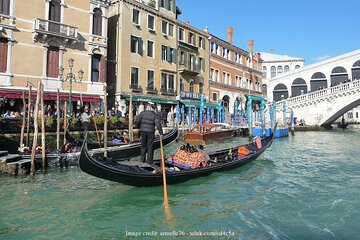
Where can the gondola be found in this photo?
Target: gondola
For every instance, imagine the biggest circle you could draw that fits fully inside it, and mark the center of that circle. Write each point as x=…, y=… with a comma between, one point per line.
x=127, y=151
x=342, y=125
x=139, y=174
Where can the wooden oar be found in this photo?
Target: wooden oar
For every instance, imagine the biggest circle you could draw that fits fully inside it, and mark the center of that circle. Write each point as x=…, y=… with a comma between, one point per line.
x=168, y=214
x=97, y=133
x=166, y=201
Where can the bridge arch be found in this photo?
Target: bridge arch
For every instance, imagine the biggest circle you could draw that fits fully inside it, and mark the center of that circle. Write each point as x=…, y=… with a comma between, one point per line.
x=338, y=75
x=298, y=87
x=355, y=70
x=279, y=91
x=318, y=81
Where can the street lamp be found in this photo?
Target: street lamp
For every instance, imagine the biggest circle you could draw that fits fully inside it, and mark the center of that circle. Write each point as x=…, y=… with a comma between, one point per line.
x=70, y=77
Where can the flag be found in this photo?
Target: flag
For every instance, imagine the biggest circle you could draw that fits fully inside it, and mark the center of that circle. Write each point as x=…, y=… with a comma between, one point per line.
x=249, y=57
x=256, y=57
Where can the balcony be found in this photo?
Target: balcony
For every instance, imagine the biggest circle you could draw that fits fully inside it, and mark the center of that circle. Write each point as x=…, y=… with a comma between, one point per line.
x=151, y=90
x=136, y=88
x=188, y=67
x=46, y=28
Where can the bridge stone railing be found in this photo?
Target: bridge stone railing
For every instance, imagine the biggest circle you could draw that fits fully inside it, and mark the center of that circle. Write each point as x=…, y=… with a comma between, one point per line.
x=320, y=94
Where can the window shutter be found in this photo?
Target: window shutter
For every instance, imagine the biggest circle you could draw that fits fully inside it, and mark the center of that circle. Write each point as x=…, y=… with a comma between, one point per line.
x=4, y=7
x=168, y=57
x=3, y=55
x=53, y=62
x=174, y=57
x=102, y=69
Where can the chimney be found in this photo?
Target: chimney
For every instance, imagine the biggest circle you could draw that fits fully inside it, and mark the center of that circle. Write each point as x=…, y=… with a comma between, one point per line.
x=229, y=31
x=251, y=45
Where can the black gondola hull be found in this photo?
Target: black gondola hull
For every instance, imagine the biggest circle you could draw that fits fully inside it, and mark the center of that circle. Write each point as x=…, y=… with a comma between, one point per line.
x=127, y=174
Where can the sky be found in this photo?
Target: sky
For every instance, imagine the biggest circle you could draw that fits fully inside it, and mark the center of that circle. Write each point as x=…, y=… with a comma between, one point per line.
x=311, y=29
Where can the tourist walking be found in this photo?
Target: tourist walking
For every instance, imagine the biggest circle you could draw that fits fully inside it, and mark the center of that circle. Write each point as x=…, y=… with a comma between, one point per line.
x=146, y=122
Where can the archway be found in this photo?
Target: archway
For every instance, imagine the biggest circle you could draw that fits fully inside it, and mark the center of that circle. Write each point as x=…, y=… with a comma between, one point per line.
x=338, y=75
x=355, y=70
x=298, y=87
x=280, y=92
x=318, y=81
x=226, y=102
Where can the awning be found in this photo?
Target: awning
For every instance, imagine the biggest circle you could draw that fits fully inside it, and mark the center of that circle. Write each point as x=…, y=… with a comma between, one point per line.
x=197, y=104
x=137, y=98
x=17, y=94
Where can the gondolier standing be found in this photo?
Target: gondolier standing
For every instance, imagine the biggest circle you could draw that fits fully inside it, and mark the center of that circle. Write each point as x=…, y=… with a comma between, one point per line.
x=146, y=122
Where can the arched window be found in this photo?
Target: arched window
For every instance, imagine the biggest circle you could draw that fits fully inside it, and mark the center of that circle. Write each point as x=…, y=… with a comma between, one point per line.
x=286, y=68
x=273, y=72
x=279, y=69
x=97, y=22
x=264, y=73
x=297, y=66
x=54, y=10
x=191, y=86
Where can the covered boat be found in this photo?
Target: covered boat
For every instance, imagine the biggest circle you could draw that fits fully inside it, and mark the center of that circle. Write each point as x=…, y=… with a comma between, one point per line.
x=208, y=131
x=126, y=151
x=139, y=174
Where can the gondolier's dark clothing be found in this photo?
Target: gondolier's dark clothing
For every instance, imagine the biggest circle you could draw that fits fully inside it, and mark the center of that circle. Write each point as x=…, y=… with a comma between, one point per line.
x=146, y=122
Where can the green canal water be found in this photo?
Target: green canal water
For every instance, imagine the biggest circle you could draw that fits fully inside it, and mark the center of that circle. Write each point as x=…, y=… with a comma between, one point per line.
x=303, y=187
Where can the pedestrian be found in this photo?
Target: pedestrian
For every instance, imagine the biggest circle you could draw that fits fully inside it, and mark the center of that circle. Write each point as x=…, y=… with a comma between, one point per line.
x=146, y=121
x=85, y=119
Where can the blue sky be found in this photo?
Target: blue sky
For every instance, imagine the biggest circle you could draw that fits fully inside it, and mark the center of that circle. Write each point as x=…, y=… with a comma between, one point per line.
x=311, y=29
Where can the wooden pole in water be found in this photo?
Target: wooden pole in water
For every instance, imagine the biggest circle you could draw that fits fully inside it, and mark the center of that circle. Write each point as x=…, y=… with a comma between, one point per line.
x=28, y=118
x=43, y=164
x=65, y=122
x=131, y=133
x=97, y=132
x=105, y=122
x=57, y=120
x=33, y=150
x=23, y=123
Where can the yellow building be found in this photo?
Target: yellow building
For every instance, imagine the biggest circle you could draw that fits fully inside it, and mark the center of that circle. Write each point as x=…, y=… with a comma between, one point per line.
x=37, y=40
x=142, y=53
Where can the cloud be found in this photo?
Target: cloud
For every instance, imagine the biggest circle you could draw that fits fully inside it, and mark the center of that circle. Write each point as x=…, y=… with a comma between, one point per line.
x=321, y=58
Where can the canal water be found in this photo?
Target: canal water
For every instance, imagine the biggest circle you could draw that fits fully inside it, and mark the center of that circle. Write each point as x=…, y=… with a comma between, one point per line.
x=302, y=187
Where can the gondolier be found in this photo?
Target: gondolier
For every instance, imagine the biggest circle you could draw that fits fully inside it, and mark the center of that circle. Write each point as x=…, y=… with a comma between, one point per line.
x=146, y=122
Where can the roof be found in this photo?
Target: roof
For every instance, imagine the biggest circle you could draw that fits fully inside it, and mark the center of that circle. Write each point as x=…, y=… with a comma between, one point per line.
x=269, y=57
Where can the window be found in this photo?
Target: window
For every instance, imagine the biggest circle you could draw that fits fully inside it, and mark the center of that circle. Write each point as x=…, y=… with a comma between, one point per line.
x=3, y=54
x=151, y=22
x=202, y=43
x=201, y=88
x=191, y=38
x=97, y=22
x=54, y=10
x=192, y=62
x=171, y=82
x=214, y=96
x=279, y=70
x=164, y=28
x=191, y=86
x=297, y=66
x=212, y=74
x=163, y=53
x=182, y=57
x=286, y=68
x=224, y=54
x=169, y=5
x=150, y=77
x=150, y=49
x=136, y=45
x=53, y=62
x=224, y=77
x=171, y=30
x=134, y=76
x=181, y=85
x=228, y=79
x=217, y=77
x=163, y=81
x=136, y=16
x=202, y=64
x=264, y=73
x=212, y=47
x=162, y=3
x=273, y=72
x=95, y=68
x=4, y=7
x=238, y=81
x=181, y=34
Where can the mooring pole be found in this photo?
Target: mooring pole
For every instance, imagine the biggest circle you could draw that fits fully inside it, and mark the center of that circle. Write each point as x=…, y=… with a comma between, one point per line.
x=23, y=123
x=33, y=150
x=43, y=150
x=105, y=122
x=57, y=120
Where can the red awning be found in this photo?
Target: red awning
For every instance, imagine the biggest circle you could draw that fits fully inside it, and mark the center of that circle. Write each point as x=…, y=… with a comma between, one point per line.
x=49, y=96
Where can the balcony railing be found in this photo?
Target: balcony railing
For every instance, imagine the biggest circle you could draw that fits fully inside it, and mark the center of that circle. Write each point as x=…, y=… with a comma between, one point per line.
x=55, y=28
x=135, y=88
x=189, y=67
x=151, y=89
x=166, y=91
x=190, y=95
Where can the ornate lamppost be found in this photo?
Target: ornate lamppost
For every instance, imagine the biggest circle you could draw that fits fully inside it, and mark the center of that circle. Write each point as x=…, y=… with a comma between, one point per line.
x=70, y=77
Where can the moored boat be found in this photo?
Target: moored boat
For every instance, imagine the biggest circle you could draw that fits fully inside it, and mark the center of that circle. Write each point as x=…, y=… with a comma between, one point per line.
x=209, y=131
x=139, y=174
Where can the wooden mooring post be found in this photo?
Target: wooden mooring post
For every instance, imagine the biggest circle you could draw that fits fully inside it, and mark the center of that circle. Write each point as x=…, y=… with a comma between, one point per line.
x=36, y=130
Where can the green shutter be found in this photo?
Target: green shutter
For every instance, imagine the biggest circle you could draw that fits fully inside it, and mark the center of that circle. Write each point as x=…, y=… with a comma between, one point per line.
x=140, y=46
x=174, y=57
